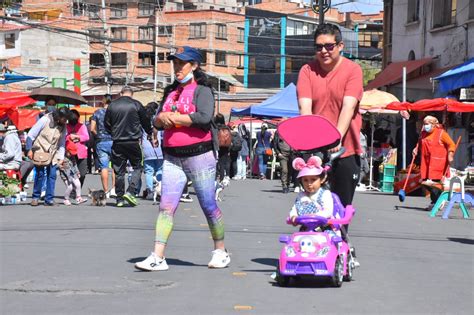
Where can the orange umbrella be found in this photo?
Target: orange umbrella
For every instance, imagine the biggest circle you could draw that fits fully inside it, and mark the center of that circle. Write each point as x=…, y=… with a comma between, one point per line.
x=436, y=104
x=85, y=110
x=376, y=99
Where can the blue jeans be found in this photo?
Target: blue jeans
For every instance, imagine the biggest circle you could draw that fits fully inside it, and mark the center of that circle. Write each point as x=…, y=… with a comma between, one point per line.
x=153, y=167
x=104, y=151
x=45, y=174
x=262, y=160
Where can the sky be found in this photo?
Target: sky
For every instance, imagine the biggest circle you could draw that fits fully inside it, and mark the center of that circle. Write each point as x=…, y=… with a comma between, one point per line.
x=363, y=6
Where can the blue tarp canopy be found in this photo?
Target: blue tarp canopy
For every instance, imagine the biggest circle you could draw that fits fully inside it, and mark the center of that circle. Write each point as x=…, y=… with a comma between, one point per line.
x=461, y=76
x=282, y=104
x=13, y=78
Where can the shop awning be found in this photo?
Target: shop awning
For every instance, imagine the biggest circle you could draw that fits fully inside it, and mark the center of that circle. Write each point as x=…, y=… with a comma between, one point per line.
x=393, y=72
x=225, y=77
x=461, y=76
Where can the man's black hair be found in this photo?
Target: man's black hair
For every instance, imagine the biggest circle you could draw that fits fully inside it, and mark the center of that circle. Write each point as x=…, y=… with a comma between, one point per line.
x=108, y=99
x=328, y=29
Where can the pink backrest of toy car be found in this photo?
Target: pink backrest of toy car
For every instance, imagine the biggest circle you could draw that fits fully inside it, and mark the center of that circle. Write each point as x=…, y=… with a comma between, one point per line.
x=309, y=132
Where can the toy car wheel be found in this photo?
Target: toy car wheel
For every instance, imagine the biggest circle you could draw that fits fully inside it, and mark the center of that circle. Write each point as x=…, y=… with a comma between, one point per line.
x=349, y=268
x=338, y=275
x=282, y=281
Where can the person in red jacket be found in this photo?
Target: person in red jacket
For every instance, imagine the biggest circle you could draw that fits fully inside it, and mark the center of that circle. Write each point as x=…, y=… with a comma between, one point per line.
x=437, y=151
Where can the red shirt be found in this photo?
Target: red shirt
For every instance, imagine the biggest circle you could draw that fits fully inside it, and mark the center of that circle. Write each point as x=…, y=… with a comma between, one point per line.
x=327, y=91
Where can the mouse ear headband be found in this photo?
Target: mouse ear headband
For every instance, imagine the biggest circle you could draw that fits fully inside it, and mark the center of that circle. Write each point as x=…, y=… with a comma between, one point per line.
x=311, y=168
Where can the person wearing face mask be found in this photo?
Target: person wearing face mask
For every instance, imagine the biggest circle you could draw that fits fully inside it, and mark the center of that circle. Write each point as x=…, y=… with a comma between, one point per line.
x=189, y=146
x=77, y=132
x=45, y=146
x=437, y=152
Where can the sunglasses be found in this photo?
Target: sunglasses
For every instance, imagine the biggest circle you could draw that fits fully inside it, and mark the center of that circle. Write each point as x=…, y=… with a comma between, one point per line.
x=328, y=47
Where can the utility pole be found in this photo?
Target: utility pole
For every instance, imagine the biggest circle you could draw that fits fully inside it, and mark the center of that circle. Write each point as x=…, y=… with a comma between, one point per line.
x=321, y=12
x=155, y=46
x=107, y=76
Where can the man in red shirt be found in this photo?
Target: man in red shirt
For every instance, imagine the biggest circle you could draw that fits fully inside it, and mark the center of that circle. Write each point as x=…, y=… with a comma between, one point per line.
x=332, y=86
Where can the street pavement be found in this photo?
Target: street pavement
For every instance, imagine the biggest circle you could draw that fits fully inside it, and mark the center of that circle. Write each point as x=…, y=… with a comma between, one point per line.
x=79, y=259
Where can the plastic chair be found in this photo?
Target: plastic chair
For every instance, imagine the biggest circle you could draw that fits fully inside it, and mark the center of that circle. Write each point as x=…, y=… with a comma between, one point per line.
x=453, y=197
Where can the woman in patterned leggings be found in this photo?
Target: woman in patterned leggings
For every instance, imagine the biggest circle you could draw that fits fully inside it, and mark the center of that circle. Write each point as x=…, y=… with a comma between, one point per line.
x=189, y=146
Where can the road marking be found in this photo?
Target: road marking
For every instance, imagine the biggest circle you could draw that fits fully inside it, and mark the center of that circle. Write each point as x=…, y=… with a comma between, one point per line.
x=203, y=225
x=243, y=307
x=187, y=209
x=239, y=274
x=193, y=216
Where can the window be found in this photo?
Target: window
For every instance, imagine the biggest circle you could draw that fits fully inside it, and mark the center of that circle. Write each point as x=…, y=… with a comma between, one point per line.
x=146, y=58
x=96, y=36
x=444, y=12
x=197, y=30
x=370, y=39
x=96, y=60
x=204, y=56
x=220, y=58
x=165, y=30
x=221, y=31
x=78, y=9
x=93, y=11
x=119, y=59
x=163, y=55
x=413, y=13
x=299, y=28
x=241, y=61
x=241, y=36
x=119, y=33
x=145, y=9
x=145, y=33
x=471, y=10
x=118, y=10
x=10, y=41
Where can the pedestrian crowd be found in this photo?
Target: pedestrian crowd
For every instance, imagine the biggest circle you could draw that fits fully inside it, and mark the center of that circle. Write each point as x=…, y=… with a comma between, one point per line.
x=180, y=141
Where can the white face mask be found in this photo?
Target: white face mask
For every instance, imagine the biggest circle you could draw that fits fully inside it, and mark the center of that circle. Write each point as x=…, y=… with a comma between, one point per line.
x=427, y=127
x=188, y=77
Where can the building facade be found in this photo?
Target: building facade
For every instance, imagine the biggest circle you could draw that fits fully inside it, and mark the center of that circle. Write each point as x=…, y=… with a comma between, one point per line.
x=428, y=37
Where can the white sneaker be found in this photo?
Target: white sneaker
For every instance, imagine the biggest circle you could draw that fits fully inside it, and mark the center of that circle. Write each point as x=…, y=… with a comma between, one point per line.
x=220, y=259
x=152, y=263
x=112, y=193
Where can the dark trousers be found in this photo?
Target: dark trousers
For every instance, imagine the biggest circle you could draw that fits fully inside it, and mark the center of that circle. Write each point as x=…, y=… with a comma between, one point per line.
x=122, y=152
x=344, y=178
x=286, y=169
x=223, y=163
x=82, y=166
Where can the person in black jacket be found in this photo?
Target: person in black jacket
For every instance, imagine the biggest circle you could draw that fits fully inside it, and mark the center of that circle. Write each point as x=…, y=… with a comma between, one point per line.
x=124, y=120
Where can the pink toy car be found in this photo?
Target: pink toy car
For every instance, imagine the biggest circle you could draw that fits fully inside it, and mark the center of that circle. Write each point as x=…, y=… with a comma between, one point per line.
x=318, y=254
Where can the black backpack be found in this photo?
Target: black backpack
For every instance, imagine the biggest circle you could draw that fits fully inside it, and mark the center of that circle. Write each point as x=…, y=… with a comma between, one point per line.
x=236, y=145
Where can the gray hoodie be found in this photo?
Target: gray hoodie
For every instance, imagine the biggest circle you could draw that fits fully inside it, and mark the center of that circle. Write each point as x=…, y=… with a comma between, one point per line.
x=11, y=149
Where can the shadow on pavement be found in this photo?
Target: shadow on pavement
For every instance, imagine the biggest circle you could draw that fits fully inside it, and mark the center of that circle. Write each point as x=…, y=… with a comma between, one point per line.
x=411, y=208
x=461, y=240
x=266, y=261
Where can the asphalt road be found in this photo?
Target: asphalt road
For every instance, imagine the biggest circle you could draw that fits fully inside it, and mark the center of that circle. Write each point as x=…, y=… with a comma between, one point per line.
x=79, y=259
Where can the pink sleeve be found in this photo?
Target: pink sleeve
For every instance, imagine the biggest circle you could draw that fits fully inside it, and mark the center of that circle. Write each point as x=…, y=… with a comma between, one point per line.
x=83, y=134
x=355, y=83
x=303, y=86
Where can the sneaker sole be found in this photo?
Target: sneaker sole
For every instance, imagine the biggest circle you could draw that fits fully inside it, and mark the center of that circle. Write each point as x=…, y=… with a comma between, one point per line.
x=150, y=270
x=130, y=201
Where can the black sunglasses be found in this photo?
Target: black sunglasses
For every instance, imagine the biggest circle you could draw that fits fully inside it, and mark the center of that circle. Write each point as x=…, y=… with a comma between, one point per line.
x=328, y=47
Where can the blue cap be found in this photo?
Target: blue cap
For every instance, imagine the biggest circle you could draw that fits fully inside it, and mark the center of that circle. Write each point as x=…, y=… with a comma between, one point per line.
x=186, y=53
